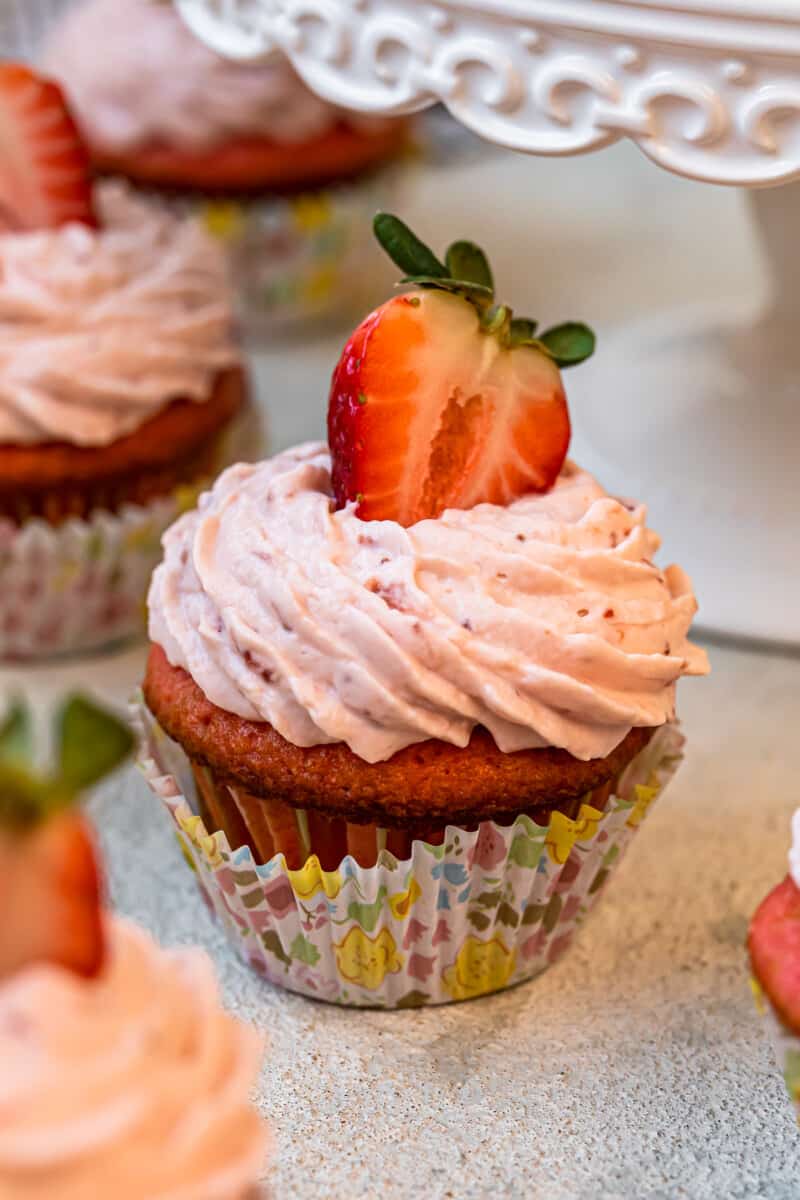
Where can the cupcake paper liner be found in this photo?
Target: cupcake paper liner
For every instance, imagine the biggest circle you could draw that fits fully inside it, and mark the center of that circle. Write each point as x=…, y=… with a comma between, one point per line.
x=480, y=912
x=82, y=585
x=298, y=258
x=786, y=1044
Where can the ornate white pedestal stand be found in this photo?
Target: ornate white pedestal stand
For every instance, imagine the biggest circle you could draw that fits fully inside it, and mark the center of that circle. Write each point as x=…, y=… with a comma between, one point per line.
x=699, y=413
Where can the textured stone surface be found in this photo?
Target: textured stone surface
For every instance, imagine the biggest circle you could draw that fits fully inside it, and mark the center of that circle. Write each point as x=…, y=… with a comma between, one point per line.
x=636, y=1067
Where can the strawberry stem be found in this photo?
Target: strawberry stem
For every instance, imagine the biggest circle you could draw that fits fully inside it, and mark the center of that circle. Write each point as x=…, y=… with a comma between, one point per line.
x=90, y=743
x=466, y=273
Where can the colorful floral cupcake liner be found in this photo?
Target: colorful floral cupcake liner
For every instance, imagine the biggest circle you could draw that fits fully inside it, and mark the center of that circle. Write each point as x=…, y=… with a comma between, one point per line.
x=785, y=1043
x=481, y=912
x=300, y=258
x=82, y=585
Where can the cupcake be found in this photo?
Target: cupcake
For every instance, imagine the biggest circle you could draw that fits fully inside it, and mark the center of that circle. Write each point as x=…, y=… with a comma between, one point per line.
x=411, y=693
x=122, y=1074
x=774, y=946
x=282, y=177
x=121, y=385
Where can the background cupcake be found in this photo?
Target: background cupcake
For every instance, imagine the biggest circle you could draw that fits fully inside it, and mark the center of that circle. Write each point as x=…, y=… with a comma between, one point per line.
x=281, y=177
x=421, y=682
x=121, y=1071
x=121, y=386
x=774, y=946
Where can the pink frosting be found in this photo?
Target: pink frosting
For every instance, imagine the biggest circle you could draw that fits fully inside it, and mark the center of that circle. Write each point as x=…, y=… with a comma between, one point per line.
x=155, y=82
x=99, y=330
x=134, y=1085
x=547, y=621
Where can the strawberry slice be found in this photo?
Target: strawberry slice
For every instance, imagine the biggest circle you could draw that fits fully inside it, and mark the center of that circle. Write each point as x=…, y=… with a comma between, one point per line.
x=774, y=945
x=442, y=399
x=50, y=896
x=50, y=890
x=44, y=165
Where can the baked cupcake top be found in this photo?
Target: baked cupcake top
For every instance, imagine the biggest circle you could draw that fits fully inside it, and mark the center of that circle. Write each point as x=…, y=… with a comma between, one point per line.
x=132, y=1084
x=544, y=620
x=102, y=328
x=155, y=83
x=442, y=566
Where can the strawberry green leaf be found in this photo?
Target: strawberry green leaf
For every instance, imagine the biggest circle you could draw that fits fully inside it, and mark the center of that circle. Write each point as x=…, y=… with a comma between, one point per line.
x=467, y=261
x=405, y=249
x=16, y=734
x=26, y=798
x=458, y=287
x=523, y=331
x=568, y=344
x=497, y=319
x=91, y=743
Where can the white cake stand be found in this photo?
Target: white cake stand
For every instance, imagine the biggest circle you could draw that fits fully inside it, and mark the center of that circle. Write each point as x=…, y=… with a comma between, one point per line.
x=700, y=412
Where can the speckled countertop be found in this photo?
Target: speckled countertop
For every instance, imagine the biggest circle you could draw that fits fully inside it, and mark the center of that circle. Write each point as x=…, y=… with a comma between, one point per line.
x=636, y=1068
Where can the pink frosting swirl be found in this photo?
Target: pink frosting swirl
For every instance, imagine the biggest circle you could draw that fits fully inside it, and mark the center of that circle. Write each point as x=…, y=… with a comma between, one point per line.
x=100, y=329
x=134, y=1085
x=155, y=82
x=547, y=621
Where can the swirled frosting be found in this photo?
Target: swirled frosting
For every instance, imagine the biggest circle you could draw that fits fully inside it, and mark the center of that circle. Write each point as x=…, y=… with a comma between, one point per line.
x=546, y=621
x=133, y=1085
x=100, y=329
x=156, y=83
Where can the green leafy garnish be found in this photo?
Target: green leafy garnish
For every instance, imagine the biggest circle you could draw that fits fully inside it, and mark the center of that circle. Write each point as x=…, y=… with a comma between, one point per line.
x=569, y=344
x=90, y=743
x=467, y=261
x=16, y=734
x=466, y=272
x=405, y=249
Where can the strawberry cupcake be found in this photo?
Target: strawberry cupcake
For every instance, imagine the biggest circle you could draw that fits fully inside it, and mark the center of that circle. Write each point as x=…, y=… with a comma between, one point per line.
x=121, y=385
x=774, y=946
x=281, y=177
x=411, y=693
x=122, y=1074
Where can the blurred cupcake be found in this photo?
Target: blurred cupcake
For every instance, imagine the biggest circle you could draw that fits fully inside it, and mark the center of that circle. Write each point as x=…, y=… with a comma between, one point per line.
x=774, y=946
x=122, y=1074
x=133, y=1083
x=283, y=178
x=121, y=386
x=419, y=686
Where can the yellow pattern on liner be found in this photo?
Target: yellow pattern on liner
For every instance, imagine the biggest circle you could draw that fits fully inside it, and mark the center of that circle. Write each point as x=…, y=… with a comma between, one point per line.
x=402, y=902
x=367, y=961
x=480, y=967
x=564, y=832
x=310, y=879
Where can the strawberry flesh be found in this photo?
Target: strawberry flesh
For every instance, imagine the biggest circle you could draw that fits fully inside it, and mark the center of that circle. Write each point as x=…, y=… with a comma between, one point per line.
x=44, y=166
x=774, y=945
x=50, y=895
x=427, y=412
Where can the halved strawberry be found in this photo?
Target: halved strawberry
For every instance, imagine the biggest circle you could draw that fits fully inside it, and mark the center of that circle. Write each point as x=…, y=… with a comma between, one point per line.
x=50, y=891
x=44, y=166
x=50, y=897
x=442, y=399
x=774, y=945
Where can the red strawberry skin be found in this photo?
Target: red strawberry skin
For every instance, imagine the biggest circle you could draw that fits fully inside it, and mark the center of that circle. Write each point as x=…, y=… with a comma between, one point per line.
x=774, y=945
x=429, y=412
x=44, y=166
x=50, y=898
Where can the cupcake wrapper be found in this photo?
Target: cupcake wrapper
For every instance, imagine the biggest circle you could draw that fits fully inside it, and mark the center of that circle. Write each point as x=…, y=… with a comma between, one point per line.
x=785, y=1043
x=480, y=912
x=299, y=258
x=81, y=585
